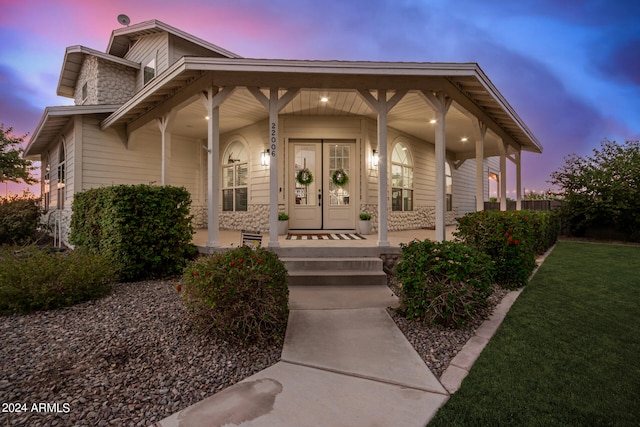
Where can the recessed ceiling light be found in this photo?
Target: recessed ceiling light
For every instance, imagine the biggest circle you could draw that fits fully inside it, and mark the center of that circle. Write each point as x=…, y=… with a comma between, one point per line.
x=432, y=121
x=464, y=139
x=324, y=99
x=206, y=117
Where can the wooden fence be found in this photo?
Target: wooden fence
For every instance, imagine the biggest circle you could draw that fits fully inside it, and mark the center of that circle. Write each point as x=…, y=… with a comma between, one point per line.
x=527, y=205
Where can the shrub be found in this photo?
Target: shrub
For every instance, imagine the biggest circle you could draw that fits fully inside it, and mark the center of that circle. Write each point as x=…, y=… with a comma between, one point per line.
x=365, y=216
x=505, y=236
x=282, y=216
x=19, y=217
x=545, y=228
x=145, y=230
x=35, y=279
x=444, y=283
x=240, y=295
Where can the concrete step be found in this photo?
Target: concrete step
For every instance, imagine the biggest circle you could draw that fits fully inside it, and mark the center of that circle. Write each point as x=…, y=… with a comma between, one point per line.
x=330, y=271
x=333, y=263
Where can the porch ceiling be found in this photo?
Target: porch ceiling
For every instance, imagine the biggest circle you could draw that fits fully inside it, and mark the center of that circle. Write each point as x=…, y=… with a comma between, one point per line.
x=473, y=96
x=412, y=116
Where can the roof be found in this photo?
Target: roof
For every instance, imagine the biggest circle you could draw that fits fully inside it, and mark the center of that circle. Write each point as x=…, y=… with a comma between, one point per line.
x=53, y=122
x=122, y=38
x=72, y=63
x=465, y=82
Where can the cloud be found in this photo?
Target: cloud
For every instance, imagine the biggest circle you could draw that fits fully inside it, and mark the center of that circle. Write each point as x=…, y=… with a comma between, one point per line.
x=622, y=62
x=15, y=110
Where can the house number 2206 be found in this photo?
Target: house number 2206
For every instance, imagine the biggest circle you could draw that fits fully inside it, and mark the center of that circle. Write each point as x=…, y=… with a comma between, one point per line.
x=274, y=139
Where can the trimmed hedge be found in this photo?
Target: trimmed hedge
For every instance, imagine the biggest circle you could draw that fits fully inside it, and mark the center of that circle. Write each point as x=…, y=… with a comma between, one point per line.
x=144, y=230
x=507, y=237
x=545, y=228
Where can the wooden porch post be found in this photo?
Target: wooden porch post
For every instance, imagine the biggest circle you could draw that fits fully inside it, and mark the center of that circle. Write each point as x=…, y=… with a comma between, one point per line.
x=518, y=160
x=273, y=104
x=382, y=106
x=481, y=130
x=503, y=175
x=212, y=99
x=440, y=103
x=165, y=123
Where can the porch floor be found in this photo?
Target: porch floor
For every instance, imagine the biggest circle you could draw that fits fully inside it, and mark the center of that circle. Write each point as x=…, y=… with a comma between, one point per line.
x=232, y=238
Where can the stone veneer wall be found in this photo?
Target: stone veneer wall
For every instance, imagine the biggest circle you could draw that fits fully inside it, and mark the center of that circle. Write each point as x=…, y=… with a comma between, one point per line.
x=199, y=214
x=107, y=82
x=256, y=218
x=420, y=217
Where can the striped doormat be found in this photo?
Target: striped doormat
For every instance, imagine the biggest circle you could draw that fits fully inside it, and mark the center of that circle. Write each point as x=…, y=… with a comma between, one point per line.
x=325, y=236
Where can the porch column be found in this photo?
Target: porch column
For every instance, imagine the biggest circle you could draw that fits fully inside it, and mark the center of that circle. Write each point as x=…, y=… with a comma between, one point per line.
x=273, y=104
x=382, y=106
x=518, y=161
x=440, y=103
x=503, y=175
x=165, y=123
x=212, y=99
x=481, y=130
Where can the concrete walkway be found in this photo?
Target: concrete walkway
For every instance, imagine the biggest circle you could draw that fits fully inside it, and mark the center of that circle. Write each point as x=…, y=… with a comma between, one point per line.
x=344, y=363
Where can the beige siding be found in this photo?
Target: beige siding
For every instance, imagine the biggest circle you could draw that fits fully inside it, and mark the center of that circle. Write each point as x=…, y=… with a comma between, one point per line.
x=147, y=48
x=464, y=187
x=179, y=47
x=185, y=163
x=69, y=166
x=108, y=162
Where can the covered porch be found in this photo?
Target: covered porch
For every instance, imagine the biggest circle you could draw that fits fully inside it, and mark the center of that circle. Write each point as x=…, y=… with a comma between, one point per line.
x=450, y=109
x=365, y=247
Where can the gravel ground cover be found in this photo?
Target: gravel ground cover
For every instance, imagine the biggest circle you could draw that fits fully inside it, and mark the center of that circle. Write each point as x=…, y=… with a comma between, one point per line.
x=128, y=359
x=435, y=344
x=132, y=358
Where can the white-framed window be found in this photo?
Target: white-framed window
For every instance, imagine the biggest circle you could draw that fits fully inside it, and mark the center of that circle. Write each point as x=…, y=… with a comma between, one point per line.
x=61, y=175
x=149, y=71
x=46, y=182
x=401, y=178
x=449, y=185
x=235, y=176
x=85, y=93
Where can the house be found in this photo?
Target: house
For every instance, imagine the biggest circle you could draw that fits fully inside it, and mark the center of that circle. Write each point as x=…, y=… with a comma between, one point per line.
x=413, y=144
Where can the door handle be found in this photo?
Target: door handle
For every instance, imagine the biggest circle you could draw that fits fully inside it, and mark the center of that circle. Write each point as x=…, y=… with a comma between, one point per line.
x=319, y=199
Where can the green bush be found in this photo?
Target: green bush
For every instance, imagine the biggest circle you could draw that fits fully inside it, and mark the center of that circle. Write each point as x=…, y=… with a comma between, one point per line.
x=545, y=228
x=507, y=237
x=444, y=283
x=240, y=295
x=19, y=218
x=145, y=230
x=35, y=279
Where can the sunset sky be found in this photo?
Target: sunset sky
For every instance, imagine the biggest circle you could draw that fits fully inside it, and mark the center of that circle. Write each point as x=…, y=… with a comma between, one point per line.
x=571, y=68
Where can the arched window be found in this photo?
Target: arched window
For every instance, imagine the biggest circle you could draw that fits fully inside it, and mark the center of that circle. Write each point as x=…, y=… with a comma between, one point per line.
x=61, y=175
x=449, y=185
x=46, y=182
x=235, y=173
x=401, y=178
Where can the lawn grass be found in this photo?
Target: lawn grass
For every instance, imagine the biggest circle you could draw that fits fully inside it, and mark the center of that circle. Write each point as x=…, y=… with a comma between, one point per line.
x=568, y=352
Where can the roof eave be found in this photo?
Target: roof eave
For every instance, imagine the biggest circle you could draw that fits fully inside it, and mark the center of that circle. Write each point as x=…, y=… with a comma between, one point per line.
x=134, y=30
x=73, y=57
x=471, y=70
x=34, y=149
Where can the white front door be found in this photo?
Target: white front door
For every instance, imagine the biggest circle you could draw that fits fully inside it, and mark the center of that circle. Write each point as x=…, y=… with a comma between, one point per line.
x=321, y=203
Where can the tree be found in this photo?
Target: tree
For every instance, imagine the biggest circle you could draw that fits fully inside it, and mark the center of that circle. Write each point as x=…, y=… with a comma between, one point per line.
x=602, y=190
x=13, y=167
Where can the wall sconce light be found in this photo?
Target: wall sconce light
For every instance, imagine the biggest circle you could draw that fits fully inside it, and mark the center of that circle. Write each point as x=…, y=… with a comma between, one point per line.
x=264, y=158
x=374, y=158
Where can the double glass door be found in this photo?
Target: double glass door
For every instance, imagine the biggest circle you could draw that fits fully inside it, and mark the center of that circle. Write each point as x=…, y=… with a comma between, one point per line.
x=322, y=182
